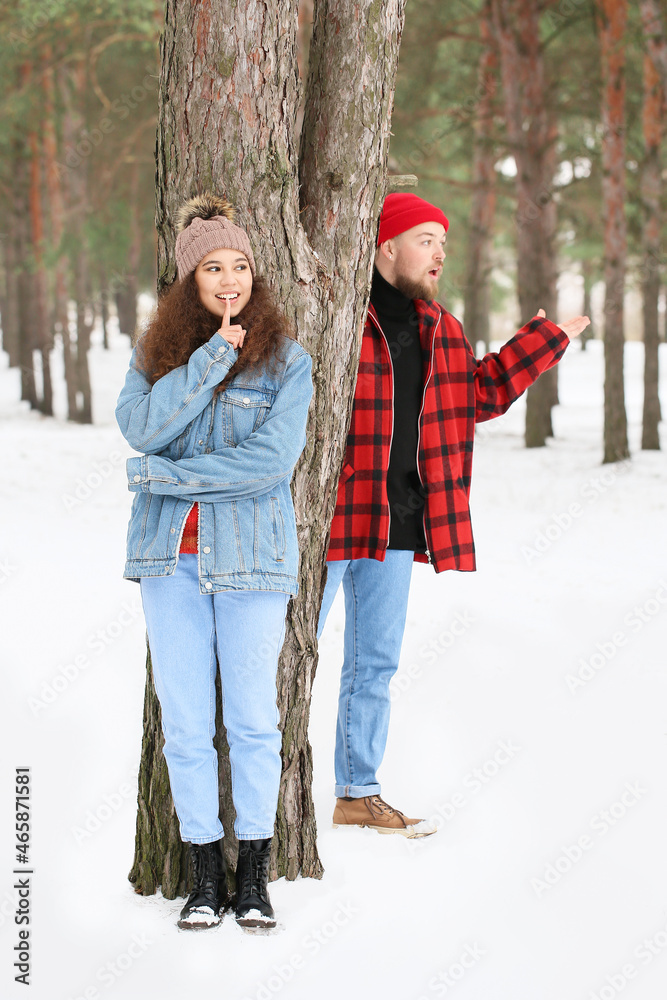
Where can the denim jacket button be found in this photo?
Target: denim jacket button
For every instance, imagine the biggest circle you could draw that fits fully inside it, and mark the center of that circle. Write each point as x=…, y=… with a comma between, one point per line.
x=137, y=479
x=207, y=549
x=208, y=584
x=246, y=399
x=221, y=350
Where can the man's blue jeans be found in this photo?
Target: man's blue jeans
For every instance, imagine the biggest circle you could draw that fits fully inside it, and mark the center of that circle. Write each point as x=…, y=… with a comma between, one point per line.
x=376, y=601
x=184, y=629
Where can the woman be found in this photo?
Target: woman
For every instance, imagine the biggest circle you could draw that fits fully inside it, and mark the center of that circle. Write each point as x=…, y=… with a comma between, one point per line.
x=217, y=398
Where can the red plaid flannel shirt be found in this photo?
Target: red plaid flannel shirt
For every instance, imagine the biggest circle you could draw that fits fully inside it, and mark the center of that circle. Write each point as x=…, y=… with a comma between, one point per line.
x=459, y=390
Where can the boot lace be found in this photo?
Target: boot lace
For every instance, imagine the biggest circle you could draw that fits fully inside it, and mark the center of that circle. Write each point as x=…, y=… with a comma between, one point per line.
x=206, y=875
x=254, y=874
x=378, y=806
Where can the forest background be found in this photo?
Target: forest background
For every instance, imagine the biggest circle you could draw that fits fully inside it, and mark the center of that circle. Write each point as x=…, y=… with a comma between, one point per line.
x=538, y=127
x=570, y=91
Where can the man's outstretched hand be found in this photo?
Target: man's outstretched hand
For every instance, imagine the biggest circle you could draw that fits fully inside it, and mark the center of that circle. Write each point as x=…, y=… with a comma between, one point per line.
x=573, y=327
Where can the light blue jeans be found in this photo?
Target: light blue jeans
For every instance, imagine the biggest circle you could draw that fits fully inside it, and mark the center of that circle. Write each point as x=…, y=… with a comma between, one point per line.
x=247, y=628
x=376, y=602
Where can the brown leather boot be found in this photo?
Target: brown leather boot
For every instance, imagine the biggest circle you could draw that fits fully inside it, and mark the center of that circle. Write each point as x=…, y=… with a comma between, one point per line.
x=373, y=812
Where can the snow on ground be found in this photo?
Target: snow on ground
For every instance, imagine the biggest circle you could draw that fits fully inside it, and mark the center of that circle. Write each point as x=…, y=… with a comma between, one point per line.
x=529, y=720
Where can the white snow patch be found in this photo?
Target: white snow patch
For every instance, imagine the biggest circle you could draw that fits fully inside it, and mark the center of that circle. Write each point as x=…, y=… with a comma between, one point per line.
x=506, y=818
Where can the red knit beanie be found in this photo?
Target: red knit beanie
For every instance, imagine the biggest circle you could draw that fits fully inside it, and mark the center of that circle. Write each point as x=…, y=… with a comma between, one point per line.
x=403, y=211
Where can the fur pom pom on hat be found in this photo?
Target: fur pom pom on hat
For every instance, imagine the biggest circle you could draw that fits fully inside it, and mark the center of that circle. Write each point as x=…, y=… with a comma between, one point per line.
x=206, y=223
x=402, y=211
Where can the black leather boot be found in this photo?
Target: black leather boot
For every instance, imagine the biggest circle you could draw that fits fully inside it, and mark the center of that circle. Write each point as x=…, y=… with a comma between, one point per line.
x=253, y=906
x=209, y=896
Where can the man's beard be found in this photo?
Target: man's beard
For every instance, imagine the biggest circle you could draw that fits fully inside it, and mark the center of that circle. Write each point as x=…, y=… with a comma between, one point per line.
x=424, y=289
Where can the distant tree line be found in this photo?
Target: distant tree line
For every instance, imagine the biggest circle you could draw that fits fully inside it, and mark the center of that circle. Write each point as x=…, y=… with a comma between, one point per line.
x=77, y=172
x=537, y=125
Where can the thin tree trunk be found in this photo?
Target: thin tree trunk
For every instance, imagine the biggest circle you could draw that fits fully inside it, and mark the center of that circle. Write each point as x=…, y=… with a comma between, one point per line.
x=532, y=137
x=611, y=17
x=84, y=325
x=651, y=189
x=228, y=106
x=24, y=296
x=586, y=308
x=104, y=310
x=477, y=306
x=654, y=35
x=126, y=297
x=73, y=86
x=303, y=54
x=542, y=396
x=56, y=208
x=10, y=302
x=20, y=227
x=39, y=278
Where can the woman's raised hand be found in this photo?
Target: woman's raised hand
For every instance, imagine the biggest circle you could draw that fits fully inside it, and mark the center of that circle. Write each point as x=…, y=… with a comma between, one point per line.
x=234, y=335
x=572, y=327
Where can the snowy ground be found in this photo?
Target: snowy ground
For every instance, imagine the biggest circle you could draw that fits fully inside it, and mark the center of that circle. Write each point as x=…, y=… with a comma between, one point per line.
x=529, y=719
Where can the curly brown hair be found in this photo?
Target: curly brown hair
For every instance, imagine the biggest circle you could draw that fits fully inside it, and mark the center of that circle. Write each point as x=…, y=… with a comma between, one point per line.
x=181, y=324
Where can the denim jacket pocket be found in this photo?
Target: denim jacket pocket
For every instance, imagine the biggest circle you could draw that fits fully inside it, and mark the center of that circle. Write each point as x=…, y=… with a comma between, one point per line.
x=245, y=410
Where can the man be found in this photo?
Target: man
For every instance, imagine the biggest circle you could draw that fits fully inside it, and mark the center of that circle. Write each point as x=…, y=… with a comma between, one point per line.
x=405, y=481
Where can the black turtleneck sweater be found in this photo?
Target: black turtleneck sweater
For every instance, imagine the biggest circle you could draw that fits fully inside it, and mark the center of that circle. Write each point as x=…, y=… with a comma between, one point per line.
x=400, y=325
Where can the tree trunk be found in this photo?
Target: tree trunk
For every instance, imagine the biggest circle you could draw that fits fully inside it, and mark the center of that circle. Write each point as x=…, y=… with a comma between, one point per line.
x=125, y=298
x=586, y=308
x=73, y=87
x=532, y=136
x=104, y=310
x=611, y=17
x=10, y=301
x=477, y=306
x=302, y=55
x=39, y=278
x=127, y=295
x=318, y=254
x=24, y=298
x=56, y=208
x=651, y=189
x=654, y=36
x=84, y=325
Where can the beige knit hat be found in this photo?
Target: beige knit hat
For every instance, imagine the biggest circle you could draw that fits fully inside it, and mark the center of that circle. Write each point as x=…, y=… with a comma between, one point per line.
x=206, y=223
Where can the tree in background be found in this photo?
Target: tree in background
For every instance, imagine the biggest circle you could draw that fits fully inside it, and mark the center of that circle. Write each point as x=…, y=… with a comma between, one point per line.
x=449, y=127
x=229, y=94
x=611, y=20
x=653, y=121
x=79, y=106
x=477, y=305
x=532, y=136
x=441, y=111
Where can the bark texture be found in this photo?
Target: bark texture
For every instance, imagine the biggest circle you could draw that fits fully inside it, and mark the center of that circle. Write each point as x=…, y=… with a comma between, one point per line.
x=611, y=18
x=229, y=94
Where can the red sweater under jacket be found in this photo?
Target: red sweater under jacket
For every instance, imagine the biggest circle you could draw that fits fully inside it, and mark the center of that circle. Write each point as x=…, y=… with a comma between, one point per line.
x=459, y=391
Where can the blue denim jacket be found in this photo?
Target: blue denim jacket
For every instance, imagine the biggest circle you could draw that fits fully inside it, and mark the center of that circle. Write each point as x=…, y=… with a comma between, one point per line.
x=234, y=453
